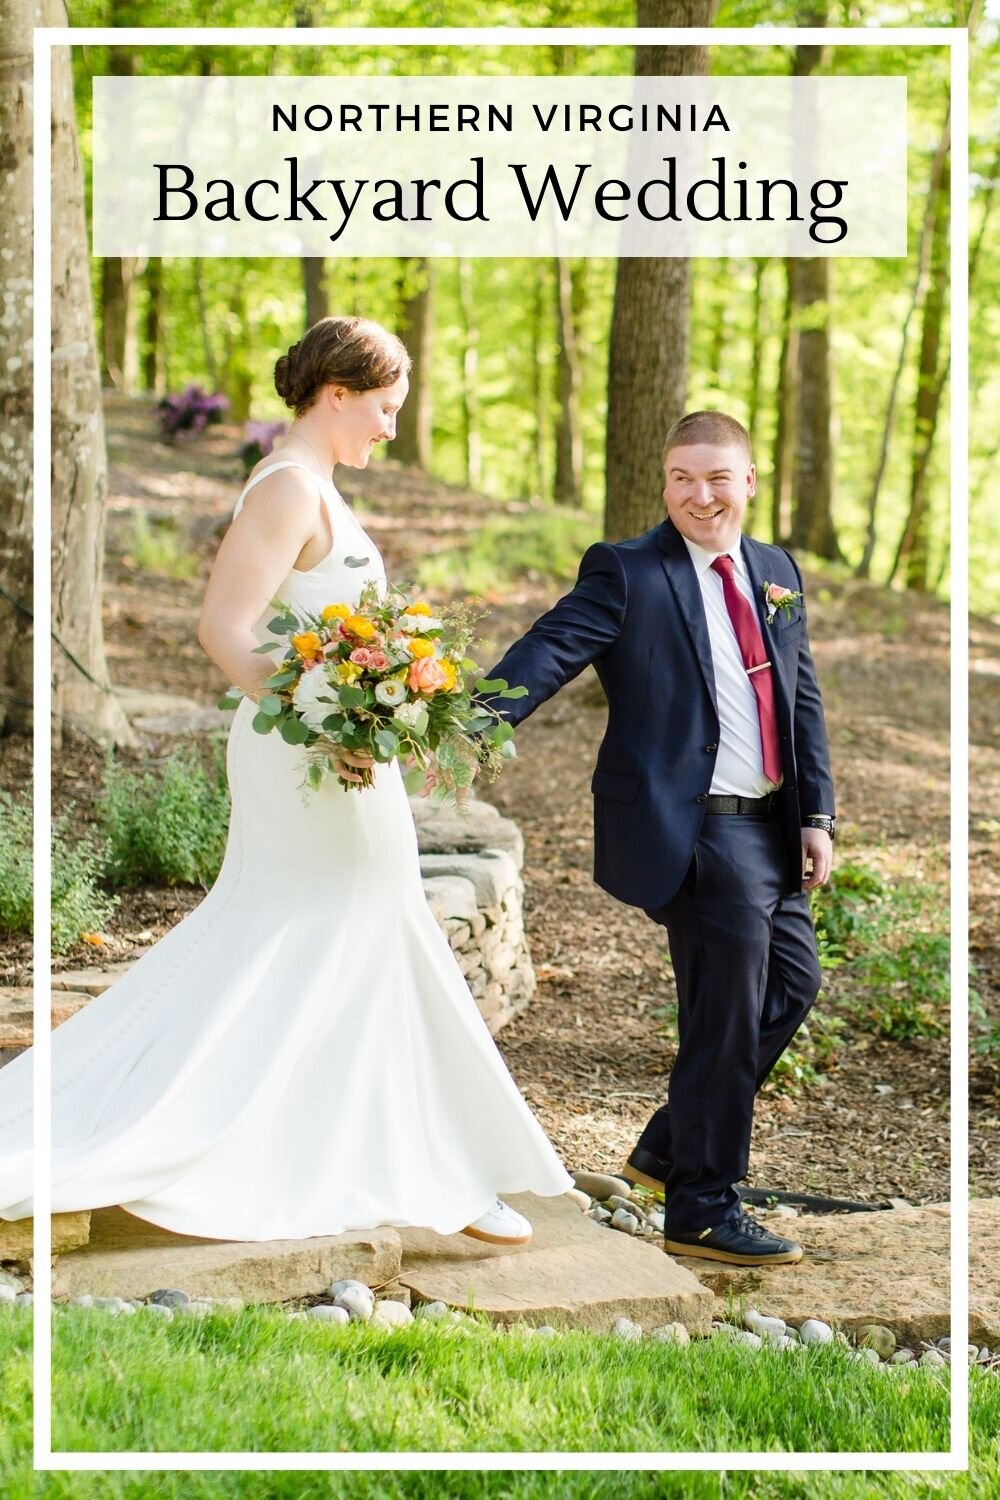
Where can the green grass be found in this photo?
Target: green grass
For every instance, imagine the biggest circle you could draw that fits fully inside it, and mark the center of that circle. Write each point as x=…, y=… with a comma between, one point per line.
x=255, y=1381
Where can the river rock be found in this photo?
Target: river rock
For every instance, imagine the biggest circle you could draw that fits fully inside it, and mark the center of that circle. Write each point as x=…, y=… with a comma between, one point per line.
x=876, y=1336
x=169, y=1297
x=933, y=1358
x=624, y=1328
x=671, y=1333
x=814, y=1331
x=324, y=1313
x=390, y=1314
x=624, y=1220
x=583, y=1200
x=7, y=1295
x=903, y=1357
x=358, y=1301
x=770, y=1329
x=601, y=1185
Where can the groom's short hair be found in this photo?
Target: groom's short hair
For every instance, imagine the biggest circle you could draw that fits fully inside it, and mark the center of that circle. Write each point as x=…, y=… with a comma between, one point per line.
x=708, y=427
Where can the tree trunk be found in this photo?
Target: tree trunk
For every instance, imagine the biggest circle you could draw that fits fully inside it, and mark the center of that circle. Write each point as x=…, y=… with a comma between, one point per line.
x=471, y=440
x=812, y=523
x=784, y=430
x=237, y=378
x=756, y=350
x=416, y=329
x=568, y=483
x=208, y=352
x=153, y=363
x=863, y=569
x=812, y=477
x=16, y=20
x=314, y=284
x=539, y=402
x=119, y=324
x=912, y=552
x=648, y=360
x=82, y=694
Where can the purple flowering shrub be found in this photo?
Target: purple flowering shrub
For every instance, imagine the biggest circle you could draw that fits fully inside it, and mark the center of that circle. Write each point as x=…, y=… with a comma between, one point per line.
x=190, y=411
x=258, y=440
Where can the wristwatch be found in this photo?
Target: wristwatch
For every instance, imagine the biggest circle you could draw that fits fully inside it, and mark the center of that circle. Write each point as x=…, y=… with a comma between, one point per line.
x=826, y=821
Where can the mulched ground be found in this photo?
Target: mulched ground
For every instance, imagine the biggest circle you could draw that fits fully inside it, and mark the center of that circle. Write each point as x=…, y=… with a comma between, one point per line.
x=590, y=1055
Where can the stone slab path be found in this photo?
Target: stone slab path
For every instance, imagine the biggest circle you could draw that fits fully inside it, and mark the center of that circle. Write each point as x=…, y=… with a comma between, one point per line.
x=573, y=1274
x=890, y=1267
x=126, y=1257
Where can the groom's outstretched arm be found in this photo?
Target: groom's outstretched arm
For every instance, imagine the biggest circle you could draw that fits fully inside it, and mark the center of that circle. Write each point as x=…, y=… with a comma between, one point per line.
x=572, y=634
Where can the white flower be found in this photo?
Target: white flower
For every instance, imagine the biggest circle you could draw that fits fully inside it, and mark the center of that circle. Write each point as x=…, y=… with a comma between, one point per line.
x=419, y=624
x=390, y=693
x=413, y=715
x=314, y=698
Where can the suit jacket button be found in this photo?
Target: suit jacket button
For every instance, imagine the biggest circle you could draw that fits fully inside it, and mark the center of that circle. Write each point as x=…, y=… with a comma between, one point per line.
x=702, y=797
x=711, y=749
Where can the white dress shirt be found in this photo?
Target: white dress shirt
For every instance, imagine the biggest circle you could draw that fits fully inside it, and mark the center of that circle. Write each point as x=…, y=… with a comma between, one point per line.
x=739, y=768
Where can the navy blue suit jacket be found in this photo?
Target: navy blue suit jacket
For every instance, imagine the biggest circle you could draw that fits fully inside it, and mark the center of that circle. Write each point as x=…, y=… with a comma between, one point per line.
x=636, y=613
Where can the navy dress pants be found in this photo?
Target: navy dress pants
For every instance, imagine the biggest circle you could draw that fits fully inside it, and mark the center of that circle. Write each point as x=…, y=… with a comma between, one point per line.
x=747, y=973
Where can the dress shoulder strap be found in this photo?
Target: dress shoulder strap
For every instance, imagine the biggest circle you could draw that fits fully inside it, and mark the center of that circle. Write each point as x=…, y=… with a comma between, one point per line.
x=284, y=463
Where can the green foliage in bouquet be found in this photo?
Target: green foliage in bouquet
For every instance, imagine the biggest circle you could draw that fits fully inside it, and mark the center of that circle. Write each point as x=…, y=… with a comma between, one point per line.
x=388, y=679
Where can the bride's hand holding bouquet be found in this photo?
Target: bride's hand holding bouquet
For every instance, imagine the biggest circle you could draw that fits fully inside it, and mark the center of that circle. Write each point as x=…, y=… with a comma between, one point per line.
x=387, y=678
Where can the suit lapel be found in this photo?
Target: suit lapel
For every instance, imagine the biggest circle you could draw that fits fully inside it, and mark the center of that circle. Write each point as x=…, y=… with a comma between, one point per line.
x=683, y=580
x=753, y=558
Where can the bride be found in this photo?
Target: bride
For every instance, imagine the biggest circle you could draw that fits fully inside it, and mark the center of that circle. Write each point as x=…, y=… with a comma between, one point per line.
x=301, y=1055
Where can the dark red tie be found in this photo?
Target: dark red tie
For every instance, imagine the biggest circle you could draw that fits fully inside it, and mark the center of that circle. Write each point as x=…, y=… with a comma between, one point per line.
x=758, y=668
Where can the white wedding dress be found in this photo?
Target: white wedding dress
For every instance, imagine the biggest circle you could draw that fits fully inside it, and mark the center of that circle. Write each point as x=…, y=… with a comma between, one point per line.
x=301, y=1054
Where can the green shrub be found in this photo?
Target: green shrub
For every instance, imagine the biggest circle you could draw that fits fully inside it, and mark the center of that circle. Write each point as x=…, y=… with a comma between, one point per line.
x=78, y=903
x=894, y=942
x=167, y=827
x=15, y=864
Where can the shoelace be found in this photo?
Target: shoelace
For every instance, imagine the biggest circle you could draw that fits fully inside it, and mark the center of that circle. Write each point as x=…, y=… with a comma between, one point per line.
x=751, y=1227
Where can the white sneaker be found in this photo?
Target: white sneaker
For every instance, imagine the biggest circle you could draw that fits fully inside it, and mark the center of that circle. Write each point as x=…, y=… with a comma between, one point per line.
x=500, y=1225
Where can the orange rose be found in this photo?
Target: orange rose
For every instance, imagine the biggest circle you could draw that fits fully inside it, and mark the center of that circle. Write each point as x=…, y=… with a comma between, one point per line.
x=308, y=644
x=426, y=675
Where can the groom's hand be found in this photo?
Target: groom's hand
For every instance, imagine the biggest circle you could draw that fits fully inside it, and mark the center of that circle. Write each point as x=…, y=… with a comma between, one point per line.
x=817, y=857
x=350, y=762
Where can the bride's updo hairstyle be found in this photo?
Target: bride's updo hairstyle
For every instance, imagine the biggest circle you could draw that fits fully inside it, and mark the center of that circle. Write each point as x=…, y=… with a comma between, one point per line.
x=353, y=352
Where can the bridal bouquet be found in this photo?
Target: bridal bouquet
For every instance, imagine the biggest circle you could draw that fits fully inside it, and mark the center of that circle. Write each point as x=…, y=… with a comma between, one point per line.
x=386, y=677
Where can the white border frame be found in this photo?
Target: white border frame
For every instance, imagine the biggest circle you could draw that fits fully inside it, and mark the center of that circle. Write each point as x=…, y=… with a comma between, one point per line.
x=956, y=40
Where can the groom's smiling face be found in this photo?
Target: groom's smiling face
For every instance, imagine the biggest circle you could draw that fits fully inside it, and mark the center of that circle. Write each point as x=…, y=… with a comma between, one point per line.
x=706, y=492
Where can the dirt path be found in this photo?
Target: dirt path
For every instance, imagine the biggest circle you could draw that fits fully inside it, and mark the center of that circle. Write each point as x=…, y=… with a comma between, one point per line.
x=590, y=1054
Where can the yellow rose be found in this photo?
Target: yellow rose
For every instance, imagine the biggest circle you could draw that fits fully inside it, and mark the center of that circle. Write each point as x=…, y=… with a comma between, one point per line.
x=359, y=626
x=349, y=671
x=308, y=644
x=336, y=612
x=451, y=676
x=420, y=646
x=419, y=608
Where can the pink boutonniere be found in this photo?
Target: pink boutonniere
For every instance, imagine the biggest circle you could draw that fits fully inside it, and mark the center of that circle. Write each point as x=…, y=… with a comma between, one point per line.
x=776, y=597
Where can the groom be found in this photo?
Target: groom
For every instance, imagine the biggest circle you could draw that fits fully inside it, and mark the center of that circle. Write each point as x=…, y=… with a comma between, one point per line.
x=713, y=805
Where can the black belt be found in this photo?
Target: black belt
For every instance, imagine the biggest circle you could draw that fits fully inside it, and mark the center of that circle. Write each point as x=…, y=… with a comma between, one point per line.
x=747, y=806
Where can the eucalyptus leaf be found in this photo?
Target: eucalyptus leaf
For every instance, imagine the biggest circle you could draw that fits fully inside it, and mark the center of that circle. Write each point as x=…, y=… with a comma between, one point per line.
x=230, y=701
x=351, y=697
x=270, y=705
x=282, y=625
x=262, y=723
x=294, y=732
x=387, y=742
x=414, y=781
x=514, y=692
x=267, y=646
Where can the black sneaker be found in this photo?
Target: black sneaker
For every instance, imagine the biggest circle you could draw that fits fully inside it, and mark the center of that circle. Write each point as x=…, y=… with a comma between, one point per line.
x=646, y=1168
x=738, y=1242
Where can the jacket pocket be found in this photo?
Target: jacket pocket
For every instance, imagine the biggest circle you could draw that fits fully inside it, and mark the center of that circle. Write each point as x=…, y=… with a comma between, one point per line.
x=789, y=631
x=615, y=786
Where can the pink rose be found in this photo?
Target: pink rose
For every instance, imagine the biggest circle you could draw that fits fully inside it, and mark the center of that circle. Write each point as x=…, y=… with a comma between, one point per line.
x=361, y=656
x=426, y=675
x=378, y=661
x=776, y=594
